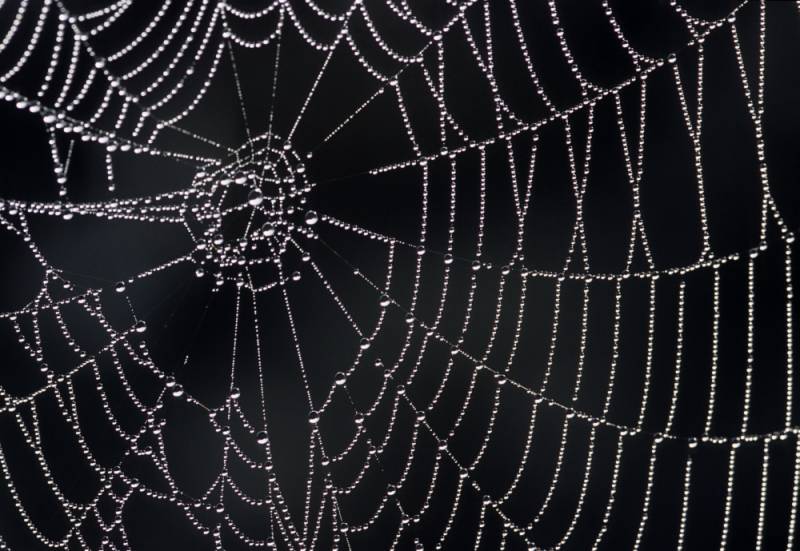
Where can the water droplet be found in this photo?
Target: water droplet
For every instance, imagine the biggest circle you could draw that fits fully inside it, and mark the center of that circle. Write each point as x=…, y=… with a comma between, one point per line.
x=262, y=437
x=255, y=198
x=385, y=301
x=311, y=217
x=140, y=326
x=120, y=287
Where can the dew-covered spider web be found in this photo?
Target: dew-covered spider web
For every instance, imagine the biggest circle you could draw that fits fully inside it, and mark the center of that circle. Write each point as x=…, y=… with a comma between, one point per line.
x=398, y=274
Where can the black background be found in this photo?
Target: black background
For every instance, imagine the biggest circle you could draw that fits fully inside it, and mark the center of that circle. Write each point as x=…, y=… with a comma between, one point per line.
x=188, y=319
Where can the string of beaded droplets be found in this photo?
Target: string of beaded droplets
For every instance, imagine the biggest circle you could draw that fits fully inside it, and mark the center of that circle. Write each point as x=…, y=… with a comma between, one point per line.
x=291, y=226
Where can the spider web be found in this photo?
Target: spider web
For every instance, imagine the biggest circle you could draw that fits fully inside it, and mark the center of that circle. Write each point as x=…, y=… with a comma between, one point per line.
x=337, y=306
